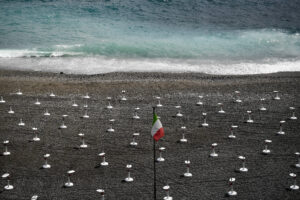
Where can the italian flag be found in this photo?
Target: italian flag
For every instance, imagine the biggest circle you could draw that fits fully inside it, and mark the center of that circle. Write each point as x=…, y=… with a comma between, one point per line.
x=157, y=131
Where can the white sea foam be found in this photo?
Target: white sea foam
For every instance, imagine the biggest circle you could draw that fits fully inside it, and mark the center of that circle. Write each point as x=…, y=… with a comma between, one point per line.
x=18, y=53
x=98, y=65
x=65, y=46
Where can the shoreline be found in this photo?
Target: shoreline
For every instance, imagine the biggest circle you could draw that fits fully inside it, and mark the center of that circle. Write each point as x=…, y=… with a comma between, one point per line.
x=4, y=71
x=167, y=81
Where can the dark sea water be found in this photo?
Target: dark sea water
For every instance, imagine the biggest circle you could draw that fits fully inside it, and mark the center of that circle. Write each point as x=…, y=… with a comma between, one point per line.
x=100, y=36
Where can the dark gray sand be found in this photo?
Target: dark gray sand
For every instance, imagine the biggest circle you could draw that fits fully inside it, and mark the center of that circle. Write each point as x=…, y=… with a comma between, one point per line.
x=268, y=176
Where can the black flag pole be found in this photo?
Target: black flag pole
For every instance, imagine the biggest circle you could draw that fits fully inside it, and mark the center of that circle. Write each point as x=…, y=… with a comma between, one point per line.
x=154, y=165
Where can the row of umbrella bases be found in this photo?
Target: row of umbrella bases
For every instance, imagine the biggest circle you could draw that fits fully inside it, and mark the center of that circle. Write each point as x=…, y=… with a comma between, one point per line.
x=134, y=143
x=135, y=135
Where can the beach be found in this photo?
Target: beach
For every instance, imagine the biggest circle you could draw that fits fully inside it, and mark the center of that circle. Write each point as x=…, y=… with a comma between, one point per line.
x=213, y=65
x=268, y=175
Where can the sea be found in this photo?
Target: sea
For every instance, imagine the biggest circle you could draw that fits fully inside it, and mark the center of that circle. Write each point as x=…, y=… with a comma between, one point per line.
x=102, y=36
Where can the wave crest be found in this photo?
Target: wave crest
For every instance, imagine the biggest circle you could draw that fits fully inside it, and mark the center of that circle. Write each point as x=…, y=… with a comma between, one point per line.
x=27, y=53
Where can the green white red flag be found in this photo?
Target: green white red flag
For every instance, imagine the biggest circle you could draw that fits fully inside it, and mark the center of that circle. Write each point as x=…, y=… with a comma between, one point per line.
x=157, y=131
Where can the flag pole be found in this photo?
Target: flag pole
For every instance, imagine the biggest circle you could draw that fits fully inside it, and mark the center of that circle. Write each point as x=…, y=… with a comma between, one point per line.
x=154, y=165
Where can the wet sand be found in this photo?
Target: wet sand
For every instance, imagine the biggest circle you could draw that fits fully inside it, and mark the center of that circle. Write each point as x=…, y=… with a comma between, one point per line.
x=268, y=176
